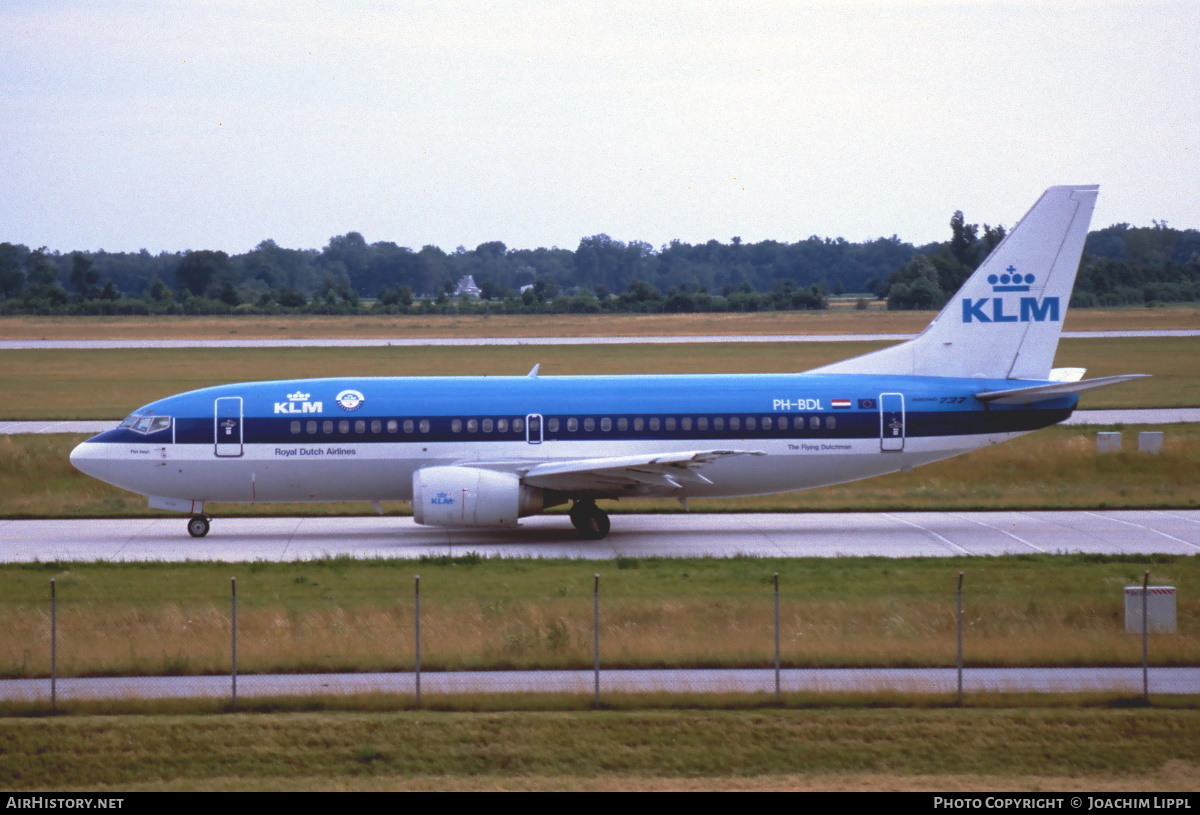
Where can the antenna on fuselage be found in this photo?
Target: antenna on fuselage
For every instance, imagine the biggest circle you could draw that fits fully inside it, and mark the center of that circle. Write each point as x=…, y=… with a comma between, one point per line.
x=534, y=371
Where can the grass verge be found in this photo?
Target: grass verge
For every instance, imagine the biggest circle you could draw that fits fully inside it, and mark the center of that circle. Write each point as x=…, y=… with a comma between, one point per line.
x=895, y=748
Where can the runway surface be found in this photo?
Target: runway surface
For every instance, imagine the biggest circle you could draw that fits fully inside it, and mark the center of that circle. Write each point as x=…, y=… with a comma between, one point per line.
x=882, y=534
x=408, y=342
x=1097, y=417
x=791, y=680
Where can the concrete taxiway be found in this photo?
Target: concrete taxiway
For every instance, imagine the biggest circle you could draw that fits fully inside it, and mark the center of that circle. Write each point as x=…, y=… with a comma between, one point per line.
x=882, y=534
x=791, y=680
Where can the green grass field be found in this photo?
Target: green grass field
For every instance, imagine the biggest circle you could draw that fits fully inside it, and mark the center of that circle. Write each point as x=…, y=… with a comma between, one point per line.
x=1035, y=750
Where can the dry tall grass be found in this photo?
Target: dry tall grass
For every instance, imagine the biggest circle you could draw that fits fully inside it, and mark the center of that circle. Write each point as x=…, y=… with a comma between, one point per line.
x=117, y=639
x=841, y=318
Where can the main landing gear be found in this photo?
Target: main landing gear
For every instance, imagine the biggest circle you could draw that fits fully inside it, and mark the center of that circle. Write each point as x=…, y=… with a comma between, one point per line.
x=198, y=526
x=589, y=520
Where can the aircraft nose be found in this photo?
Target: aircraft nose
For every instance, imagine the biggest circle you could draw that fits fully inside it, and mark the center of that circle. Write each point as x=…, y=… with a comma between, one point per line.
x=88, y=458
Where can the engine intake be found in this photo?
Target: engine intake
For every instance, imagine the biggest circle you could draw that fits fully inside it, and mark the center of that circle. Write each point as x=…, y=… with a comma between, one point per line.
x=470, y=496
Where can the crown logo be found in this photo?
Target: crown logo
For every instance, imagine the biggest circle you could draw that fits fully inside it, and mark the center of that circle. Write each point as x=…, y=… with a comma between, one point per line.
x=1011, y=280
x=298, y=396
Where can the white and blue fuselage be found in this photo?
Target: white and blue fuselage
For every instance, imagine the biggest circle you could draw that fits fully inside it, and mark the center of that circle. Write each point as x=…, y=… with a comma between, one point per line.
x=362, y=439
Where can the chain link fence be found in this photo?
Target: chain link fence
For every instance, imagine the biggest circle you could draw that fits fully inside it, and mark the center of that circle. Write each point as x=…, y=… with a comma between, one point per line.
x=592, y=638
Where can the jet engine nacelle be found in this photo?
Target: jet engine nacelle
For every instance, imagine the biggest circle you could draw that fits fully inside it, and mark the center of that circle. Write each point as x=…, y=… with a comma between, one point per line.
x=470, y=496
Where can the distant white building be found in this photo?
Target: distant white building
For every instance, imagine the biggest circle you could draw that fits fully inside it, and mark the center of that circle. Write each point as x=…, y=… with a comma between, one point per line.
x=466, y=285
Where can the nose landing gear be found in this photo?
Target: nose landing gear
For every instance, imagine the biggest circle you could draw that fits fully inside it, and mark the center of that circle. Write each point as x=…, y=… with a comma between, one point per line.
x=589, y=520
x=197, y=526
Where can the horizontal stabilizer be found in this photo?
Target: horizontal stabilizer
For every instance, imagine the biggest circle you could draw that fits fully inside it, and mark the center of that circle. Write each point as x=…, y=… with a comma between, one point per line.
x=1040, y=393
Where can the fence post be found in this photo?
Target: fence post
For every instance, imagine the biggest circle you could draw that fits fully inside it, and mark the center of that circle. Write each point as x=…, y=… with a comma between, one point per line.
x=417, y=626
x=596, y=637
x=53, y=647
x=233, y=637
x=778, y=695
x=959, y=632
x=1146, y=636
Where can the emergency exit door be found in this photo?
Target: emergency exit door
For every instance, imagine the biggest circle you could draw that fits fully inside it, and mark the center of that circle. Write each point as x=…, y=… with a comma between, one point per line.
x=227, y=427
x=891, y=422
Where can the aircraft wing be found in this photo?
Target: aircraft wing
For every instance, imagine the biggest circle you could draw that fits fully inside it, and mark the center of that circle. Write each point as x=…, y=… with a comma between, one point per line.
x=666, y=471
x=1039, y=393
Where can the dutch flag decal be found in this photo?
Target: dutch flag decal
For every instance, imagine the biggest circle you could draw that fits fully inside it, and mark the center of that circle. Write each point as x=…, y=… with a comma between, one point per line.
x=841, y=403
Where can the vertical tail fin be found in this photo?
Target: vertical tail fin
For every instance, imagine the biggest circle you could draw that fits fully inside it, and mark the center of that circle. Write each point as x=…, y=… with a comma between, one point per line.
x=1005, y=321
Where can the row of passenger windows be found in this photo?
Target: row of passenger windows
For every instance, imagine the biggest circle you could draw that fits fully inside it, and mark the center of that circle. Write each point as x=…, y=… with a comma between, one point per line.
x=573, y=425
x=360, y=426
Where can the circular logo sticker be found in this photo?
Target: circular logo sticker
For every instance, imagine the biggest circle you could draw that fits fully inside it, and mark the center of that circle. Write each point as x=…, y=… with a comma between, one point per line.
x=350, y=400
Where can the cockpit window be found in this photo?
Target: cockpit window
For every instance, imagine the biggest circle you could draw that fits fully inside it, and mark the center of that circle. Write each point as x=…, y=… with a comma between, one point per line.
x=145, y=425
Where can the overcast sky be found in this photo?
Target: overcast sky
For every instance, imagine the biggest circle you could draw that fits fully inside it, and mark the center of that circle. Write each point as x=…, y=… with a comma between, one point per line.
x=214, y=125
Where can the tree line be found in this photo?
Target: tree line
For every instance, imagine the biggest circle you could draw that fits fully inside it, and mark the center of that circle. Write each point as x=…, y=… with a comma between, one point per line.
x=1123, y=265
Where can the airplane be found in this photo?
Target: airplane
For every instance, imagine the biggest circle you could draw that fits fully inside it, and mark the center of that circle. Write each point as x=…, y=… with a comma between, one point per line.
x=483, y=452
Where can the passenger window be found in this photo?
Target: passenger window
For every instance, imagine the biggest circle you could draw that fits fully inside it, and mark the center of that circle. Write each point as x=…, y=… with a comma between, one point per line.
x=408, y=425
x=552, y=425
x=456, y=426
x=296, y=427
x=766, y=423
x=622, y=424
x=671, y=423
x=518, y=425
x=344, y=426
x=686, y=423
x=702, y=423
x=814, y=422
x=327, y=426
x=393, y=425
x=639, y=424
x=376, y=426
x=719, y=423
x=654, y=423
x=502, y=425
x=751, y=423
x=311, y=428
x=830, y=422
x=360, y=426
x=783, y=422
x=472, y=425
x=735, y=423
x=423, y=425
x=606, y=424
x=589, y=424
x=487, y=425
